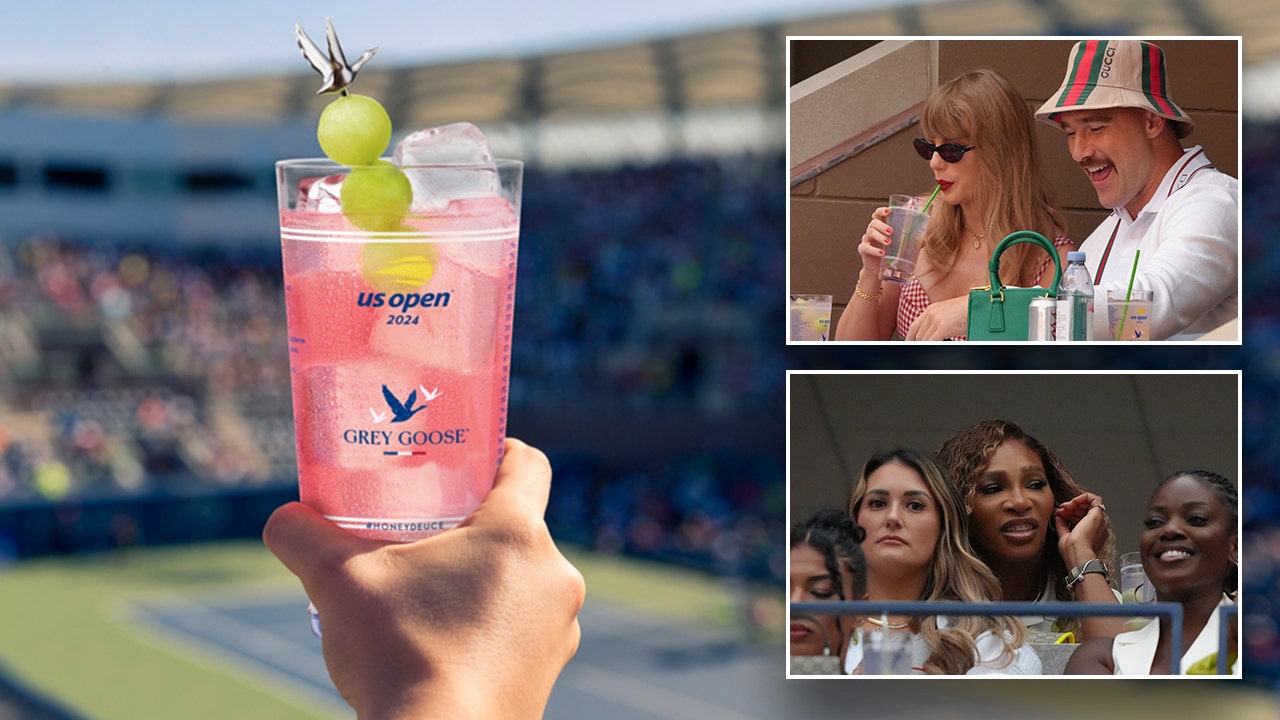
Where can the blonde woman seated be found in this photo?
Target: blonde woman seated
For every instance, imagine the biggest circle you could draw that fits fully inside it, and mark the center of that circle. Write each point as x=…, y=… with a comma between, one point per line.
x=1191, y=555
x=917, y=548
x=979, y=140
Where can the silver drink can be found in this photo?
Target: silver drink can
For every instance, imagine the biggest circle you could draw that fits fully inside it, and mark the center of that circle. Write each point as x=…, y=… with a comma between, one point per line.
x=1042, y=319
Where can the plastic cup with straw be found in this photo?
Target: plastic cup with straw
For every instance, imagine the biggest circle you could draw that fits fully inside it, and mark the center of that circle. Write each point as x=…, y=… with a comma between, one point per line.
x=925, y=209
x=1127, y=294
x=906, y=217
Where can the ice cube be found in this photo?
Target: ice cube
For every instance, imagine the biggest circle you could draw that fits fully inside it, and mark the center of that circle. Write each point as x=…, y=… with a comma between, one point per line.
x=458, y=144
x=321, y=195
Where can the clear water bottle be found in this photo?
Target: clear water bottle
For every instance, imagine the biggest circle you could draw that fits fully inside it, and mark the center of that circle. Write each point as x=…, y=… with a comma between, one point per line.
x=1075, y=301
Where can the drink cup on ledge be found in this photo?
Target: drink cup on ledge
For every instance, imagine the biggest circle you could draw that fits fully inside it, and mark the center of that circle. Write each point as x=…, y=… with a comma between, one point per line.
x=886, y=653
x=1129, y=318
x=1134, y=588
x=810, y=317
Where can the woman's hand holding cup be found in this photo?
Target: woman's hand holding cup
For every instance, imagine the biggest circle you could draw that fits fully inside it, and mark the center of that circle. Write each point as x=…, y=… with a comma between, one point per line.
x=875, y=240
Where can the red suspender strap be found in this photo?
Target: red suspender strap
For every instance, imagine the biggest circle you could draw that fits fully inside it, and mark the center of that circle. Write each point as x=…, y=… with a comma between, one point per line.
x=1102, y=264
x=1177, y=184
x=1178, y=181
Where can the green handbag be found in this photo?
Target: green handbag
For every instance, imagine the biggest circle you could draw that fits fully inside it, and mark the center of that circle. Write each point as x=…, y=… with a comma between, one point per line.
x=1000, y=313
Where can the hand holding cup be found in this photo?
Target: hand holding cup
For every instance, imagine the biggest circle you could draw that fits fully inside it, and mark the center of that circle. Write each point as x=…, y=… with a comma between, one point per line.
x=875, y=240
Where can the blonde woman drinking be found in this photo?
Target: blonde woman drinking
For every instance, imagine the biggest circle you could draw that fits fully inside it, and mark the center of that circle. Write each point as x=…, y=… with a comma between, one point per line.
x=979, y=140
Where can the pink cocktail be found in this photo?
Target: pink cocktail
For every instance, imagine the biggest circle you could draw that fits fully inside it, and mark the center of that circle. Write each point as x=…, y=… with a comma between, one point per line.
x=400, y=345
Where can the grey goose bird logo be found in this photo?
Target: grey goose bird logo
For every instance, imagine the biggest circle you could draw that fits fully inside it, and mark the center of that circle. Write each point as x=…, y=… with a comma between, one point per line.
x=402, y=411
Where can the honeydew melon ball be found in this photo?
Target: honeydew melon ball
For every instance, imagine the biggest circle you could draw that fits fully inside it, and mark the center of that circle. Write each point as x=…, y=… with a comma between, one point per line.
x=354, y=130
x=376, y=198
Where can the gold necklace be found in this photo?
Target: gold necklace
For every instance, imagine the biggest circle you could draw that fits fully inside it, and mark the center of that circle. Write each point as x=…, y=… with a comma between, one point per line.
x=891, y=626
x=976, y=243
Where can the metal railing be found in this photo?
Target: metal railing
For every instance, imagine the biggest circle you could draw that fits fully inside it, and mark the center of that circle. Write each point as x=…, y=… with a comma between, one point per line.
x=1173, y=611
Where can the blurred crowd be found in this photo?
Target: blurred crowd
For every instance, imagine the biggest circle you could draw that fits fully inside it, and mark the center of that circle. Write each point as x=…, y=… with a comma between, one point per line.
x=1260, y=551
x=112, y=357
x=651, y=284
x=715, y=510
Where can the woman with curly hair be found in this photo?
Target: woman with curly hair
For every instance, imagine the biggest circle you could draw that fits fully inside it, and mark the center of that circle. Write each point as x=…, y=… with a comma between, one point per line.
x=826, y=564
x=1190, y=550
x=917, y=548
x=1043, y=535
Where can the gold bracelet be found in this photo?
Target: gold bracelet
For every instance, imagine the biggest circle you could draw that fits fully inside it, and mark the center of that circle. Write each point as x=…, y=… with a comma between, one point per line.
x=857, y=290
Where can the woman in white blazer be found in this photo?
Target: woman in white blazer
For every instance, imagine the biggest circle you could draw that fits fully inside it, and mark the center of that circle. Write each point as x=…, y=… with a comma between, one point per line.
x=1191, y=554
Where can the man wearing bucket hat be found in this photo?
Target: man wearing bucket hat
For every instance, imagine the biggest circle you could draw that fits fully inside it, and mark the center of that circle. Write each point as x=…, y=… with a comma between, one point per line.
x=1170, y=203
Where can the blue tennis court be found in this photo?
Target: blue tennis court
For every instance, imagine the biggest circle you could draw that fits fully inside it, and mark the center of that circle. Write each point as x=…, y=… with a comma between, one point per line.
x=627, y=668
x=633, y=667
x=269, y=636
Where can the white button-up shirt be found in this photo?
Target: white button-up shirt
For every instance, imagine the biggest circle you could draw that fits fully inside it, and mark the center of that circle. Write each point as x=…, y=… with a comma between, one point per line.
x=1189, y=237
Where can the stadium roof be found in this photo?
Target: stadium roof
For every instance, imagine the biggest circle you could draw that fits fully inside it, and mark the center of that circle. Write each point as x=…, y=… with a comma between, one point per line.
x=733, y=68
x=732, y=79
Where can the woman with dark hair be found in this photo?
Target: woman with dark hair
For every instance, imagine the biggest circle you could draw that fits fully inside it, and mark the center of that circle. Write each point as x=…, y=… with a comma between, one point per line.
x=826, y=564
x=1191, y=555
x=1033, y=524
x=917, y=548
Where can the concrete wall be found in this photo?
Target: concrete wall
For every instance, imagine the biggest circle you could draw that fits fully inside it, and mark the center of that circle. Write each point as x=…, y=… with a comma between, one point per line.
x=851, y=128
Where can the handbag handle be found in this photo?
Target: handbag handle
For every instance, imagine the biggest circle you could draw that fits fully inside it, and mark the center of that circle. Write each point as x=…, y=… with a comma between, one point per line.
x=1023, y=236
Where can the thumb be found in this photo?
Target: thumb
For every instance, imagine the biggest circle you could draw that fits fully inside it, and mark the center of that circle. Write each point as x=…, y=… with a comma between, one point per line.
x=1062, y=527
x=306, y=542
x=521, y=487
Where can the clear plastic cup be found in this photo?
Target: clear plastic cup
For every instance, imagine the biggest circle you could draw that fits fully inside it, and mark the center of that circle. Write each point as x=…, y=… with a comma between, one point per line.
x=1134, y=588
x=908, y=220
x=886, y=653
x=1129, y=318
x=399, y=347
x=810, y=317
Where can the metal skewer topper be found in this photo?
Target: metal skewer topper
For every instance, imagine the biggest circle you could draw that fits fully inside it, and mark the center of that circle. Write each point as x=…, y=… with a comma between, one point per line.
x=333, y=67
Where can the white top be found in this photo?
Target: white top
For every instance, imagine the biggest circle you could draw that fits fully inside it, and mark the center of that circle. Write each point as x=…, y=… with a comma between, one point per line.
x=1189, y=237
x=991, y=659
x=1133, y=652
x=1040, y=628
